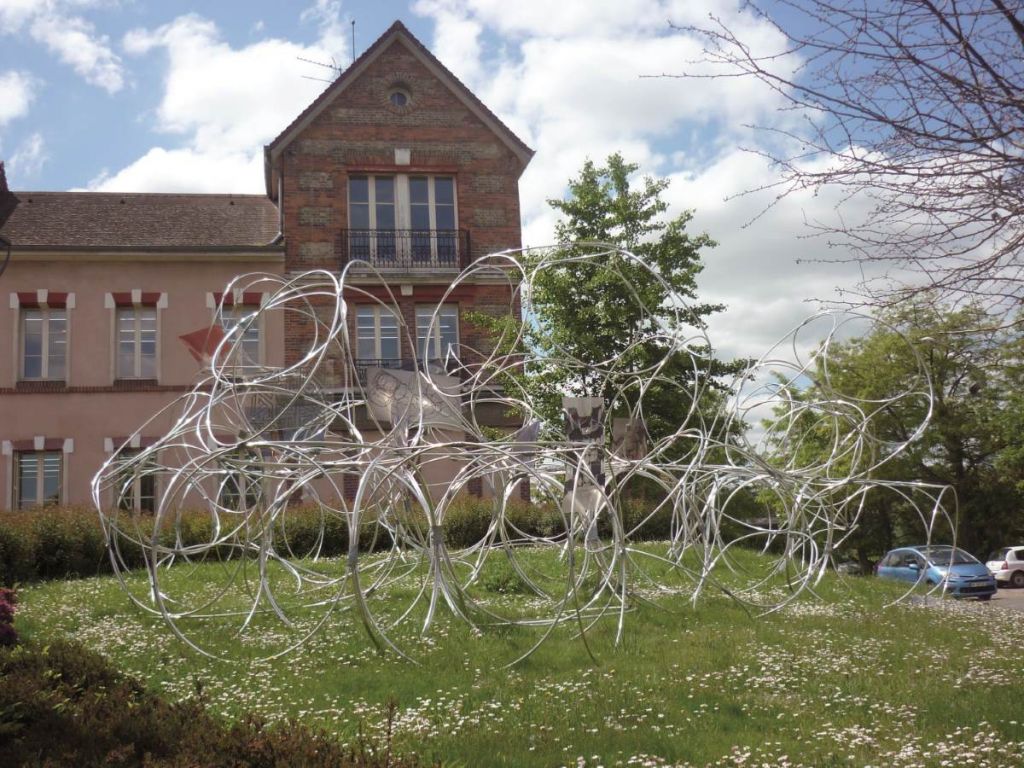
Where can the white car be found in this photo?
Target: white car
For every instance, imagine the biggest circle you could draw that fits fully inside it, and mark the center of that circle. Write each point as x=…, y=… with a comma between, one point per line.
x=1007, y=565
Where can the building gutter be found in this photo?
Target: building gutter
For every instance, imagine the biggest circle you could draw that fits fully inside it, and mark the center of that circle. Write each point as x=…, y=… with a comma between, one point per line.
x=5, y=245
x=272, y=254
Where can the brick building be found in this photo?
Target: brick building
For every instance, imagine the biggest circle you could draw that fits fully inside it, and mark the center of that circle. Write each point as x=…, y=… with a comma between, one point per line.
x=397, y=164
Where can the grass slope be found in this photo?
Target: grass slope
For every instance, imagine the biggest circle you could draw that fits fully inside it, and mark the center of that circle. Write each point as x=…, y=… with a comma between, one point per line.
x=841, y=679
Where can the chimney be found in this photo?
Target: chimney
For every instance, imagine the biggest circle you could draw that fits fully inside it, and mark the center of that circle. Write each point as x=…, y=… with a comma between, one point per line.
x=3, y=179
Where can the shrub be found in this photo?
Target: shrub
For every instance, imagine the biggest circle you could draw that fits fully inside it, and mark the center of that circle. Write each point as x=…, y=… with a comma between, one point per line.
x=8, y=600
x=56, y=543
x=13, y=556
x=69, y=543
x=466, y=522
x=536, y=519
x=61, y=704
x=645, y=521
x=50, y=543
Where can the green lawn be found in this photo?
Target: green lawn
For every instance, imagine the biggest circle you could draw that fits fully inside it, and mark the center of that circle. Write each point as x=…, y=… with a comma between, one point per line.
x=841, y=679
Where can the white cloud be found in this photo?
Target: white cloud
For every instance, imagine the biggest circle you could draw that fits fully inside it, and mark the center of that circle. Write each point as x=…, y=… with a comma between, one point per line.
x=219, y=95
x=29, y=157
x=71, y=37
x=334, y=33
x=224, y=102
x=566, y=77
x=768, y=273
x=17, y=89
x=531, y=18
x=14, y=13
x=456, y=39
x=186, y=170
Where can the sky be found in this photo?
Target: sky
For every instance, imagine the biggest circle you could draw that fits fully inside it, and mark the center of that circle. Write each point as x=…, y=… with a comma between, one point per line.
x=175, y=95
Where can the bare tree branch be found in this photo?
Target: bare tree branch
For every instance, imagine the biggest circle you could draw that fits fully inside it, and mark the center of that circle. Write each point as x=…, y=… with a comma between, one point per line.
x=914, y=109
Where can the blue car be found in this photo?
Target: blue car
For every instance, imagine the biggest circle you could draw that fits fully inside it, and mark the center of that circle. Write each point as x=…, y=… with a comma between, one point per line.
x=939, y=565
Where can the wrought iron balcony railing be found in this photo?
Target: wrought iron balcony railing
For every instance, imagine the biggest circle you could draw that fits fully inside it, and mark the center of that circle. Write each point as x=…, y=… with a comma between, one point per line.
x=406, y=249
x=434, y=366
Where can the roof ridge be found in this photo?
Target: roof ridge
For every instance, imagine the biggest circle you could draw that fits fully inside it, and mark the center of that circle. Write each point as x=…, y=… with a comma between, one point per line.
x=396, y=28
x=468, y=90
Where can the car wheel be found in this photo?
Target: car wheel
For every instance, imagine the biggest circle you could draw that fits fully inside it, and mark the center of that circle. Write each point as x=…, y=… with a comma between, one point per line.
x=1017, y=578
x=985, y=598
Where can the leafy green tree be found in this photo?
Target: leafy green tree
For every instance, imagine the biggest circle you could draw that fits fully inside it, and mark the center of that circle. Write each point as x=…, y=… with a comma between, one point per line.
x=974, y=441
x=615, y=309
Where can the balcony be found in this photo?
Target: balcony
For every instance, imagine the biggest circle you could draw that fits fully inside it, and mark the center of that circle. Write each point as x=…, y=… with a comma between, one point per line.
x=405, y=250
x=431, y=366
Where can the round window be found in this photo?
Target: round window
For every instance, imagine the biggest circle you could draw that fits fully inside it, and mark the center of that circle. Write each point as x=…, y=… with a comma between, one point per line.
x=398, y=98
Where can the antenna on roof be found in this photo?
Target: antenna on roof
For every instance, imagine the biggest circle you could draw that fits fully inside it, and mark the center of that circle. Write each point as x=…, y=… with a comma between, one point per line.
x=353, y=41
x=332, y=66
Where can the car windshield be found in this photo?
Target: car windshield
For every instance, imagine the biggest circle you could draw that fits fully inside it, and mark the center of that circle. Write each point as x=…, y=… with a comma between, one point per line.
x=999, y=554
x=948, y=556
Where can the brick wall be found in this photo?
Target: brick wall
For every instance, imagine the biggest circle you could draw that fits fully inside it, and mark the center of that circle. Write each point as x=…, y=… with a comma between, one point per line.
x=361, y=130
x=358, y=133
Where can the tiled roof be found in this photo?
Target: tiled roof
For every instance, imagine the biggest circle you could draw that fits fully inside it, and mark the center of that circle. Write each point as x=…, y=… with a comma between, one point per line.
x=131, y=220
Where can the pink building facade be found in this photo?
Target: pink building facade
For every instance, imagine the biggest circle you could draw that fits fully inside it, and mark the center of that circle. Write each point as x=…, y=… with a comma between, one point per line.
x=396, y=163
x=89, y=335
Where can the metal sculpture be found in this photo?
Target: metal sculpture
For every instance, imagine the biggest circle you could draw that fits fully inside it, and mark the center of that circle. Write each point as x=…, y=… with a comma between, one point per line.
x=361, y=443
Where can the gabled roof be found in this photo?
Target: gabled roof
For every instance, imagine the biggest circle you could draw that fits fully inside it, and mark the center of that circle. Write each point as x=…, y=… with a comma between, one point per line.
x=70, y=220
x=396, y=31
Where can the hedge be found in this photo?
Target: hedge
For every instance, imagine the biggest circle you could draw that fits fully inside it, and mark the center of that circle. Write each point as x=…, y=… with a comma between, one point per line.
x=56, y=543
x=63, y=705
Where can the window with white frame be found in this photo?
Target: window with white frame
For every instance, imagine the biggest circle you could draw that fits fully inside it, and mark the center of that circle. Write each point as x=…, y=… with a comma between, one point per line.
x=403, y=215
x=242, y=323
x=432, y=218
x=136, y=342
x=38, y=478
x=377, y=334
x=44, y=340
x=437, y=332
x=371, y=217
x=136, y=484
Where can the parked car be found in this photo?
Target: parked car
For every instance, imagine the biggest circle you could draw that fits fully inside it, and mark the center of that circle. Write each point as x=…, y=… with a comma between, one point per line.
x=1007, y=566
x=959, y=573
